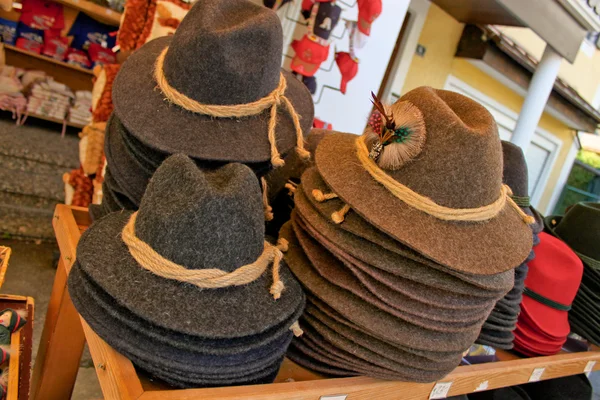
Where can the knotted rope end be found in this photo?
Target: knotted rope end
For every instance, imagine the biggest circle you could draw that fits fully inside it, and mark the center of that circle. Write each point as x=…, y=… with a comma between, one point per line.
x=282, y=244
x=303, y=153
x=321, y=197
x=529, y=220
x=295, y=328
x=277, y=161
x=339, y=216
x=276, y=289
x=269, y=213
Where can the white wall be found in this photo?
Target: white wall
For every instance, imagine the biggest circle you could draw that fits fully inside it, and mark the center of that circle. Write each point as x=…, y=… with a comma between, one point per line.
x=349, y=112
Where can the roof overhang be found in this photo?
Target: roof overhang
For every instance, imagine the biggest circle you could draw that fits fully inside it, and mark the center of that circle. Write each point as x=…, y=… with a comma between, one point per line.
x=547, y=18
x=509, y=61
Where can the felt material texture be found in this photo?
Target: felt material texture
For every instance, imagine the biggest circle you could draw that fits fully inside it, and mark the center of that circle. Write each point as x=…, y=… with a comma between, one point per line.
x=580, y=229
x=379, y=323
x=238, y=35
x=483, y=248
x=514, y=174
x=171, y=344
x=490, y=286
x=218, y=223
x=393, y=302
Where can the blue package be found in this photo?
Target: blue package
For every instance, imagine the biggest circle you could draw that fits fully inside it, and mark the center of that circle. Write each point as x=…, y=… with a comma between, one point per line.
x=29, y=33
x=8, y=31
x=86, y=30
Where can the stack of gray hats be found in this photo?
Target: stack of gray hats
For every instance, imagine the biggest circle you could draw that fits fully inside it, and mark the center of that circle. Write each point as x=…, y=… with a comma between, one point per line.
x=397, y=289
x=186, y=287
x=497, y=331
x=200, y=93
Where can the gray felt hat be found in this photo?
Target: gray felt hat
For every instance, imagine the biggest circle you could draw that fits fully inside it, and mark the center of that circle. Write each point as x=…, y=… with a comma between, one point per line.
x=199, y=220
x=211, y=61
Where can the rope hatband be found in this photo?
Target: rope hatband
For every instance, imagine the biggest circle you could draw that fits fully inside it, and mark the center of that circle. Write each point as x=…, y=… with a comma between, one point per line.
x=153, y=262
x=272, y=101
x=427, y=205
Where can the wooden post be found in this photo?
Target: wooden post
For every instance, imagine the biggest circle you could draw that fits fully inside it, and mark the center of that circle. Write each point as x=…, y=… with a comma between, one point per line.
x=58, y=356
x=57, y=360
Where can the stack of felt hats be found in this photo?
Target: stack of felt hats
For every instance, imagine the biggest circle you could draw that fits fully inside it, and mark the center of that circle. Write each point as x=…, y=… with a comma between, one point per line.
x=553, y=279
x=497, y=330
x=186, y=287
x=171, y=97
x=404, y=240
x=579, y=228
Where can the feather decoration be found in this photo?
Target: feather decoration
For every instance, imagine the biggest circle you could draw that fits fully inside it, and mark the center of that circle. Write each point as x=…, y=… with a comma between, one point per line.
x=396, y=134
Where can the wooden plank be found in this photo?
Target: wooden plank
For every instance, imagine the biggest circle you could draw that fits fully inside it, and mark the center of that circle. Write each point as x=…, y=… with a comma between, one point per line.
x=465, y=379
x=26, y=351
x=102, y=14
x=13, y=366
x=48, y=59
x=4, y=258
x=75, y=77
x=58, y=356
x=117, y=376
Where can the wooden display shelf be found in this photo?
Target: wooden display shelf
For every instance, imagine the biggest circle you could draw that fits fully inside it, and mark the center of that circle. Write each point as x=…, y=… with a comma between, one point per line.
x=119, y=379
x=48, y=59
x=4, y=258
x=102, y=14
x=21, y=342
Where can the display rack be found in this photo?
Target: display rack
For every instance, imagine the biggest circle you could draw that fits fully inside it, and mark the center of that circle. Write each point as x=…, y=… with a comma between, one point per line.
x=102, y=14
x=65, y=333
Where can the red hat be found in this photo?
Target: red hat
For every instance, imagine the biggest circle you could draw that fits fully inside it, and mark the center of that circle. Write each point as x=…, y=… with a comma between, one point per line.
x=551, y=285
x=368, y=11
x=309, y=56
x=348, y=68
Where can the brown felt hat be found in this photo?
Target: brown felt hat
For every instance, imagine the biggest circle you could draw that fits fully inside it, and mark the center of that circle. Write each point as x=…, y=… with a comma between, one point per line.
x=392, y=302
x=431, y=274
x=377, y=322
x=225, y=54
x=457, y=164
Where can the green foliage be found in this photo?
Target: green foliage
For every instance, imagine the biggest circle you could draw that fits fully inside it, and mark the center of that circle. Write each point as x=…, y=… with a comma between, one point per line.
x=590, y=158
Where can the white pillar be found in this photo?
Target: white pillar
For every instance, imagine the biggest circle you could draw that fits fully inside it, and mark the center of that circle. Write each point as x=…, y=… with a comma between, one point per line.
x=536, y=98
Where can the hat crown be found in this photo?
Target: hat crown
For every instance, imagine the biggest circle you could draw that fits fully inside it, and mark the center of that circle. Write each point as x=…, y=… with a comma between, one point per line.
x=225, y=52
x=556, y=271
x=460, y=165
x=580, y=229
x=515, y=169
x=202, y=219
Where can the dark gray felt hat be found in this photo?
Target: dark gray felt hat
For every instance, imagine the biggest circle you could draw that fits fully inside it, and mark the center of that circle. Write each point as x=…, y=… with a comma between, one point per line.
x=449, y=135
x=219, y=72
x=197, y=220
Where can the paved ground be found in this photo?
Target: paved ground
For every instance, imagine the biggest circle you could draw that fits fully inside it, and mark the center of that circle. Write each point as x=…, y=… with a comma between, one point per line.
x=31, y=273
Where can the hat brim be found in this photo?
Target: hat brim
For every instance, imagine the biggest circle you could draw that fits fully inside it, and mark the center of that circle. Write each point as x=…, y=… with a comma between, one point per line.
x=395, y=262
x=397, y=304
x=482, y=248
x=168, y=128
x=230, y=312
x=379, y=323
x=547, y=319
x=95, y=303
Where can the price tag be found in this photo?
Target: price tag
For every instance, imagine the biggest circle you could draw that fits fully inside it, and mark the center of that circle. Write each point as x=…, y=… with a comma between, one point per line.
x=440, y=390
x=108, y=11
x=334, y=397
x=482, y=386
x=536, y=375
x=589, y=366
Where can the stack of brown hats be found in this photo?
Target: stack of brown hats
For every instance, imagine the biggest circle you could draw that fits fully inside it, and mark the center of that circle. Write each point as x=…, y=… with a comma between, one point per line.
x=498, y=330
x=170, y=97
x=404, y=240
